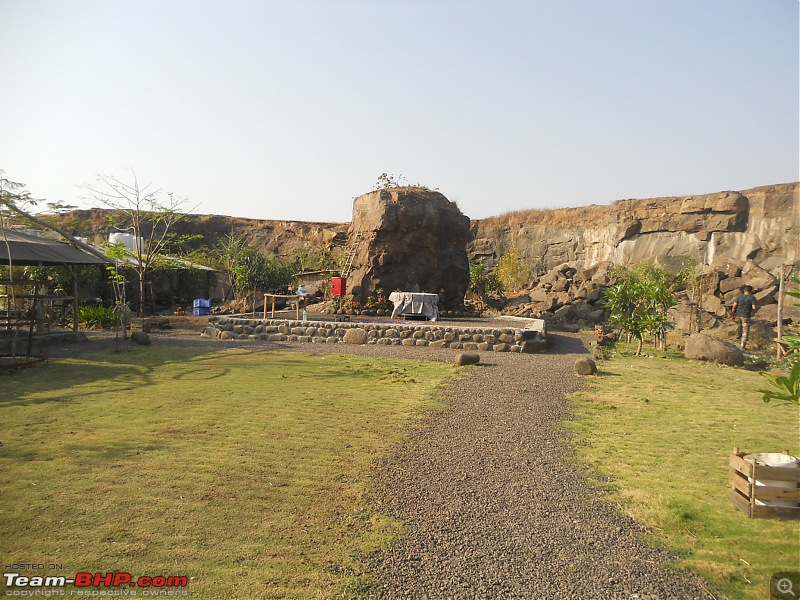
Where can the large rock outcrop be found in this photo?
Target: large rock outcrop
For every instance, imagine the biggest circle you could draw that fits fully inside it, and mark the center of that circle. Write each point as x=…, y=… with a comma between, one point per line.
x=761, y=224
x=410, y=239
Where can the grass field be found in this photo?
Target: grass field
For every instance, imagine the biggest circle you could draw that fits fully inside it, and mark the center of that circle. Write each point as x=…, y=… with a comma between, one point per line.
x=660, y=432
x=246, y=471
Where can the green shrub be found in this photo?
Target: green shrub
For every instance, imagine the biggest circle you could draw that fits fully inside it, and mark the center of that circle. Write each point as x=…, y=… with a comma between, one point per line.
x=639, y=302
x=96, y=317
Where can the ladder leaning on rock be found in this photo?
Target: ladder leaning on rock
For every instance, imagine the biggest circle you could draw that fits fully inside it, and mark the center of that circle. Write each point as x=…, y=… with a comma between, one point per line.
x=352, y=250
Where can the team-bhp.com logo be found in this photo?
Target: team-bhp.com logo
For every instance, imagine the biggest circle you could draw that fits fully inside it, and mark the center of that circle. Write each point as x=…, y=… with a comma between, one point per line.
x=117, y=579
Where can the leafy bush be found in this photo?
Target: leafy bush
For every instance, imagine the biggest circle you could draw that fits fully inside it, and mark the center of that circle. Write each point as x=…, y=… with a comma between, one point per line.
x=257, y=273
x=512, y=271
x=482, y=282
x=96, y=317
x=640, y=301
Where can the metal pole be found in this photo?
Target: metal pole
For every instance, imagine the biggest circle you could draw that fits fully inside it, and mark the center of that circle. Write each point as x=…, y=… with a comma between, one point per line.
x=75, y=308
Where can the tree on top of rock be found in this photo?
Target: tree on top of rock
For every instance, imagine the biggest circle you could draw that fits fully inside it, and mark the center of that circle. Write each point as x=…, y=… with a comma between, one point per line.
x=386, y=181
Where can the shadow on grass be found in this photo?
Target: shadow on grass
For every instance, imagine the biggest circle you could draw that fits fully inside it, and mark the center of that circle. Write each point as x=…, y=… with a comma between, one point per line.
x=562, y=344
x=95, y=453
x=72, y=378
x=607, y=374
x=63, y=380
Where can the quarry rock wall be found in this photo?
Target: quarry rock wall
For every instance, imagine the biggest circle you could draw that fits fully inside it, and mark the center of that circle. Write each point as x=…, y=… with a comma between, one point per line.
x=761, y=224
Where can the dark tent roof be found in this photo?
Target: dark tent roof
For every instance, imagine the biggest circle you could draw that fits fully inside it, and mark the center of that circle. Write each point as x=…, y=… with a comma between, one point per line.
x=29, y=250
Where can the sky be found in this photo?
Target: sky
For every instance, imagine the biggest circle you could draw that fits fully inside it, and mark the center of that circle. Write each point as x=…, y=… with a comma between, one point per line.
x=291, y=109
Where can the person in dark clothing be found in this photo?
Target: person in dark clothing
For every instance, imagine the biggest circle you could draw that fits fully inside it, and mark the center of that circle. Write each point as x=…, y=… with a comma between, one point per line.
x=744, y=307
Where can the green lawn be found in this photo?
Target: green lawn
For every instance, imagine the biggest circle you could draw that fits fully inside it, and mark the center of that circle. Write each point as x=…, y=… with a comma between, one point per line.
x=660, y=432
x=247, y=471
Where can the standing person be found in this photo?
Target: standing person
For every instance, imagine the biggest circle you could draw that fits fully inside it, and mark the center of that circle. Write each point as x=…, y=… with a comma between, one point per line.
x=744, y=307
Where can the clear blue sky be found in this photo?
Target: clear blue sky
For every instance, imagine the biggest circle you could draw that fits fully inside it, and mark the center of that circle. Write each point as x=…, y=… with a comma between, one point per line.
x=290, y=109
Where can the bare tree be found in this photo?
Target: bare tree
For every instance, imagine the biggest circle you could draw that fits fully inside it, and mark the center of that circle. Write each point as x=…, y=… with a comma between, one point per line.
x=143, y=212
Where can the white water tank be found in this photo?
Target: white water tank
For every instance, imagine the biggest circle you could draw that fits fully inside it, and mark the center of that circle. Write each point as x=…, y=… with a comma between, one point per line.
x=130, y=241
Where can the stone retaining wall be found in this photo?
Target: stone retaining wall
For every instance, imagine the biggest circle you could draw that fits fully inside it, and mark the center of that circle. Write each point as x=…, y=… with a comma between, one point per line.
x=529, y=340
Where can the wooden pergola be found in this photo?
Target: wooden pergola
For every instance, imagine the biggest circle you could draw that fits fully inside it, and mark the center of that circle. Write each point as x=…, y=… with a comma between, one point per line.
x=22, y=249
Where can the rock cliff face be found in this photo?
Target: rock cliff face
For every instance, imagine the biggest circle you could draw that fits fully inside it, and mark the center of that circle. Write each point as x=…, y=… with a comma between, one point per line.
x=761, y=224
x=271, y=237
x=411, y=239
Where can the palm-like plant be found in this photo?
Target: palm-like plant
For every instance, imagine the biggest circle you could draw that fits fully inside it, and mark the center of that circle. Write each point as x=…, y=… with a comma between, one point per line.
x=787, y=389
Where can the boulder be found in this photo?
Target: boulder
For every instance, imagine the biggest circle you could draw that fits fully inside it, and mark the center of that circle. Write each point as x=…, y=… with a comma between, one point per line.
x=769, y=313
x=731, y=284
x=594, y=295
x=542, y=307
x=356, y=336
x=714, y=305
x=580, y=293
x=581, y=309
x=729, y=266
x=561, y=284
x=757, y=277
x=601, y=275
x=564, y=313
x=767, y=296
x=712, y=278
x=549, y=278
x=585, y=366
x=140, y=338
x=729, y=297
x=700, y=346
x=596, y=316
x=467, y=358
x=539, y=295
x=563, y=298
x=518, y=300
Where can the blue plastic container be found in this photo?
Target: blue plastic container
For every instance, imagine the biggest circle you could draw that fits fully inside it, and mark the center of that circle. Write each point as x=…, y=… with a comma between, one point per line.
x=201, y=303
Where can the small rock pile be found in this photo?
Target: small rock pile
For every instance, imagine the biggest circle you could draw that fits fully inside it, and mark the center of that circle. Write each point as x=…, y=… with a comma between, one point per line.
x=566, y=295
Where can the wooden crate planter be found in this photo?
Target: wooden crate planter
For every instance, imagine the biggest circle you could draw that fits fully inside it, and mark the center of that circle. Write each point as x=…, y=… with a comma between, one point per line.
x=756, y=500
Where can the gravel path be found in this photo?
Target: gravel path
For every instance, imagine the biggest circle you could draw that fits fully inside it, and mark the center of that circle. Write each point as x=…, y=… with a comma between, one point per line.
x=496, y=507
